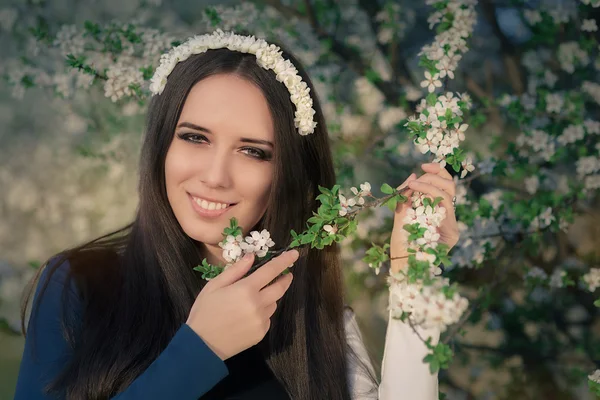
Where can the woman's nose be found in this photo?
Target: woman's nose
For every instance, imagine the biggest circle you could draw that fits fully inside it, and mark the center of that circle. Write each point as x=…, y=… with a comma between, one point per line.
x=216, y=170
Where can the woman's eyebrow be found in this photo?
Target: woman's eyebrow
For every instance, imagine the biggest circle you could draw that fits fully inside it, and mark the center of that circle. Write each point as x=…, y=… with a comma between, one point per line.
x=203, y=129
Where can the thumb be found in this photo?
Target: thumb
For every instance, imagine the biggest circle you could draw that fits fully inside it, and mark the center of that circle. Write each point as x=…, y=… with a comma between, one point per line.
x=408, y=193
x=232, y=274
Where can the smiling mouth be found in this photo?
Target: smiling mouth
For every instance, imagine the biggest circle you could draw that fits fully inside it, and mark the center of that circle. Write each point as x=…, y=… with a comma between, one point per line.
x=211, y=206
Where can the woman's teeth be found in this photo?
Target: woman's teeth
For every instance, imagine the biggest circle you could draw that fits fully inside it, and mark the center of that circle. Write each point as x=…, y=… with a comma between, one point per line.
x=207, y=205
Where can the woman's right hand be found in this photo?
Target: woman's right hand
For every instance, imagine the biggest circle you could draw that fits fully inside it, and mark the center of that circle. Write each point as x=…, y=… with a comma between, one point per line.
x=232, y=313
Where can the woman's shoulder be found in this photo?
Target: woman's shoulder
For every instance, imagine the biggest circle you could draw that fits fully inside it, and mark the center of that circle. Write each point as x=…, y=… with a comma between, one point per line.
x=79, y=271
x=350, y=322
x=56, y=274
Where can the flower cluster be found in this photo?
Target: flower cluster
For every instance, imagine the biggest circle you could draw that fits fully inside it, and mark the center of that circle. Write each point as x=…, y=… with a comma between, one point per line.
x=439, y=129
x=536, y=141
x=120, y=81
x=267, y=56
x=426, y=306
x=359, y=198
x=588, y=168
x=424, y=301
x=235, y=247
x=570, y=55
x=445, y=51
x=113, y=53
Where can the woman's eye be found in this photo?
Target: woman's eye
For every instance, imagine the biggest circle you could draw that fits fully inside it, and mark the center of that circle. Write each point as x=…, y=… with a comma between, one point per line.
x=256, y=153
x=192, y=137
x=251, y=151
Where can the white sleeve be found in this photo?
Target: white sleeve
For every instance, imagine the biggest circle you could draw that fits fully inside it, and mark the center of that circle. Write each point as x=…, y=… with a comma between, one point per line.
x=404, y=375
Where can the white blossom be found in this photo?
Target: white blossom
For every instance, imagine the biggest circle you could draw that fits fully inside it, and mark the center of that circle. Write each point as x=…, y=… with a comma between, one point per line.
x=556, y=279
x=532, y=184
x=365, y=190
x=571, y=55
x=550, y=78
x=234, y=248
x=589, y=25
x=592, y=127
x=593, y=3
x=571, y=134
x=554, y=103
x=536, y=273
x=346, y=204
x=593, y=89
x=231, y=248
x=119, y=81
x=543, y=220
x=592, y=279
x=427, y=305
x=390, y=116
x=596, y=375
x=532, y=16
x=587, y=165
x=431, y=81
x=258, y=243
x=467, y=166
x=332, y=230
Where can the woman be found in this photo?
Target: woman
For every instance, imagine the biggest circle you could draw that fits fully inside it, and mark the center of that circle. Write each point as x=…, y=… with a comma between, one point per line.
x=126, y=317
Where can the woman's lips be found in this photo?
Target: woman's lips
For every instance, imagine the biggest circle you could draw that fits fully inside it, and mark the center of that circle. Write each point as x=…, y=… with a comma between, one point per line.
x=208, y=213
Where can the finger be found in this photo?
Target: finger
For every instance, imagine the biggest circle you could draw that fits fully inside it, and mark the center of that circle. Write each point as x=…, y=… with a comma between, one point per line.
x=437, y=168
x=271, y=270
x=434, y=192
x=274, y=292
x=412, y=177
x=446, y=185
x=232, y=274
x=270, y=310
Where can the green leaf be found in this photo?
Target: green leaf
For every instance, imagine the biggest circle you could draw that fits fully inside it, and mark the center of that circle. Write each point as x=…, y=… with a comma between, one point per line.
x=387, y=189
x=372, y=76
x=212, y=15
x=431, y=99
x=308, y=238
x=391, y=203
x=208, y=271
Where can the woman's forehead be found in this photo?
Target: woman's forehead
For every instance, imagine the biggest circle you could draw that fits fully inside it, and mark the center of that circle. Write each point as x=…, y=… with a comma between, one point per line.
x=230, y=104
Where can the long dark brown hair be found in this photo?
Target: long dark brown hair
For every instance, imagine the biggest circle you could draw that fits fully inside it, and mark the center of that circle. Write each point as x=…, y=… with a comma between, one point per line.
x=138, y=285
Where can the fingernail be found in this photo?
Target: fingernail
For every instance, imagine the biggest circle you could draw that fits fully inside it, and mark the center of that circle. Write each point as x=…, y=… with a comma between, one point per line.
x=247, y=257
x=294, y=253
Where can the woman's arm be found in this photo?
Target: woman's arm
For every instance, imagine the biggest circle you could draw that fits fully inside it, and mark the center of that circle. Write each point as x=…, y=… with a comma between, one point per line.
x=186, y=369
x=404, y=375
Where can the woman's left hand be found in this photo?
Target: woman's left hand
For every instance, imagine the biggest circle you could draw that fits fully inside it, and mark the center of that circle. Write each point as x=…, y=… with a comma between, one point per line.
x=436, y=182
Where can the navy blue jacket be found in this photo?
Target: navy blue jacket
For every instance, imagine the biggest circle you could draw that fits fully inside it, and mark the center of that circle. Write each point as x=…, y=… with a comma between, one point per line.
x=187, y=369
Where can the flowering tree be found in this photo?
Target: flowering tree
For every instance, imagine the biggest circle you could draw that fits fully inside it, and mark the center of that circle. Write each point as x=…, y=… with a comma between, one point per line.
x=512, y=272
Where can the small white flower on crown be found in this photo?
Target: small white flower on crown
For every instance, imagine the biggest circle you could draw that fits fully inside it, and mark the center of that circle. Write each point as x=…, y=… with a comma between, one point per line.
x=267, y=55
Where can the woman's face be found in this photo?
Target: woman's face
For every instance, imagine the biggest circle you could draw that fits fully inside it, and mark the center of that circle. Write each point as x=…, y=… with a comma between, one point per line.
x=222, y=152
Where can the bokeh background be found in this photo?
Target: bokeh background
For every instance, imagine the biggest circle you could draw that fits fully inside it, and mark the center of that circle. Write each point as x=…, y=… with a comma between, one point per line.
x=68, y=158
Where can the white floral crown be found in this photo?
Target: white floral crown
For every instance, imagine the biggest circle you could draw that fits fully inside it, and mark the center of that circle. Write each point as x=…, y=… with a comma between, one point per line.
x=267, y=56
